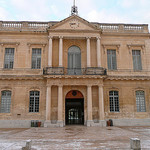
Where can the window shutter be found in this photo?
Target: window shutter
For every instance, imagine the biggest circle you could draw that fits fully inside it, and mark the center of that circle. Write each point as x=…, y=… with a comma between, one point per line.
x=36, y=58
x=109, y=59
x=114, y=64
x=136, y=55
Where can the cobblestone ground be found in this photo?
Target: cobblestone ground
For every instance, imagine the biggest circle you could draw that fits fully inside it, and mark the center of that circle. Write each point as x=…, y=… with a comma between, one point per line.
x=75, y=138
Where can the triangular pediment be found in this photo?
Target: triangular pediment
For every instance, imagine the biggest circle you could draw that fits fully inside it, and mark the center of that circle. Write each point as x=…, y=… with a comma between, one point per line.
x=74, y=22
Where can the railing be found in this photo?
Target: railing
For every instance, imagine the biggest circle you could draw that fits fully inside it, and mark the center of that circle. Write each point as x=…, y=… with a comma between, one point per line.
x=53, y=71
x=142, y=28
x=43, y=26
x=74, y=71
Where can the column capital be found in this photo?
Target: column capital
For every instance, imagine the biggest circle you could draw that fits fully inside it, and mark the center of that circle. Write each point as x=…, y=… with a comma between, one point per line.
x=98, y=38
x=89, y=85
x=101, y=85
x=60, y=85
x=60, y=37
x=48, y=86
x=50, y=37
x=88, y=37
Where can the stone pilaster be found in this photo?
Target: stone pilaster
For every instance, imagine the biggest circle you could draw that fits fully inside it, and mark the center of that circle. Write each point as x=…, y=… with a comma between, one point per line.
x=99, y=52
x=60, y=51
x=89, y=106
x=50, y=51
x=88, y=53
x=101, y=106
x=48, y=107
x=60, y=106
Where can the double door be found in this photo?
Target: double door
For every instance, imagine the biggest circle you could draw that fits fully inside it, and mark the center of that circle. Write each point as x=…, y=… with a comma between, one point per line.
x=74, y=112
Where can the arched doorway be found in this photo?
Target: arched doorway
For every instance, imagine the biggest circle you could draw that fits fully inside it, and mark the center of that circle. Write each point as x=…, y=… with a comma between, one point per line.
x=74, y=108
x=74, y=60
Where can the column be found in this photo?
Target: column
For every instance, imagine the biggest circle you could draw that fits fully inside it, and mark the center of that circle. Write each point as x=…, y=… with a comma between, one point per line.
x=88, y=53
x=60, y=106
x=60, y=51
x=47, y=123
x=98, y=52
x=89, y=106
x=50, y=51
x=101, y=106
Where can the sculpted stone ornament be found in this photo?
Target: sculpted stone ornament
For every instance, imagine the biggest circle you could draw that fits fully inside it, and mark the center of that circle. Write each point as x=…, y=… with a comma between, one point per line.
x=74, y=23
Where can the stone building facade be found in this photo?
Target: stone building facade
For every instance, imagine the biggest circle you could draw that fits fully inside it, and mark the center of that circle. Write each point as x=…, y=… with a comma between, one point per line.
x=74, y=72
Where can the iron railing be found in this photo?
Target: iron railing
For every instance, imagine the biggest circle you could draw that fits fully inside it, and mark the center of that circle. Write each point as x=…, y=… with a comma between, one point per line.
x=74, y=71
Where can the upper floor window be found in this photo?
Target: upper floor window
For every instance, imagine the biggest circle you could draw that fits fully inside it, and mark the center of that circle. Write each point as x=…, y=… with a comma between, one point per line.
x=74, y=60
x=34, y=101
x=136, y=54
x=114, y=101
x=36, y=58
x=140, y=101
x=5, y=102
x=111, y=59
x=9, y=58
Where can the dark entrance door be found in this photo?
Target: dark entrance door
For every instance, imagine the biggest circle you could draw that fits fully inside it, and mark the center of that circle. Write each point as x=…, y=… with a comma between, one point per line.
x=74, y=111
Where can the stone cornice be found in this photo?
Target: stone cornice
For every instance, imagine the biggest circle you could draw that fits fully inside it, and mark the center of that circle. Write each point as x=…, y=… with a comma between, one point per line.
x=9, y=43
x=74, y=77
x=137, y=78
x=21, y=77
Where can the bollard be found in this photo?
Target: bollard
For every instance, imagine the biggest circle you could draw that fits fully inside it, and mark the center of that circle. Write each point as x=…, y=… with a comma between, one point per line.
x=28, y=145
x=135, y=144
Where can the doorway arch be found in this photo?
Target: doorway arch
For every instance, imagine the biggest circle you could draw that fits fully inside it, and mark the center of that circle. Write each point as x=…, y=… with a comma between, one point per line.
x=74, y=108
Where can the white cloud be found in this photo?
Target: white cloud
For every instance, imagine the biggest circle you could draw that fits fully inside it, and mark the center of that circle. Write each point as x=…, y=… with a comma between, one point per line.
x=4, y=15
x=105, y=17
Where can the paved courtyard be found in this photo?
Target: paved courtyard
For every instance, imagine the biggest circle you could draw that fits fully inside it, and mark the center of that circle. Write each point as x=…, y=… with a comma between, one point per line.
x=74, y=137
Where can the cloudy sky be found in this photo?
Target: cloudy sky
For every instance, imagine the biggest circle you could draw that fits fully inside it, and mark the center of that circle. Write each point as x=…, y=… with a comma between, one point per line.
x=104, y=11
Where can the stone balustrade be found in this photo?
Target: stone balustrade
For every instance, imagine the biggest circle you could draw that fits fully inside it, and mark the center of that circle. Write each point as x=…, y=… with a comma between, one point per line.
x=74, y=71
x=43, y=26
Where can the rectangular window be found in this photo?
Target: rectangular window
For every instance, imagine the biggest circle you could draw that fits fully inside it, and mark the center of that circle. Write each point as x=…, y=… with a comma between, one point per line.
x=9, y=58
x=36, y=58
x=114, y=101
x=111, y=60
x=34, y=101
x=140, y=101
x=136, y=54
x=5, y=102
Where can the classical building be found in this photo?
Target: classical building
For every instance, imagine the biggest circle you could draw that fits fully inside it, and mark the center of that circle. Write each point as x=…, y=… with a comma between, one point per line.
x=74, y=72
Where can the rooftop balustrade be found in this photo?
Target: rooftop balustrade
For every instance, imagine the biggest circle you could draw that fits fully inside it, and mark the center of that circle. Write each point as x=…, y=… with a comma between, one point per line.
x=43, y=26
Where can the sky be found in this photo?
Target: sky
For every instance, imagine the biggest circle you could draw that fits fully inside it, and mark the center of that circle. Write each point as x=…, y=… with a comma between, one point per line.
x=102, y=11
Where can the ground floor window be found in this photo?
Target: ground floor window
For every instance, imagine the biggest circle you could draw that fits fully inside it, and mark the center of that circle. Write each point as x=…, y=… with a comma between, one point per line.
x=114, y=101
x=140, y=101
x=34, y=101
x=5, y=102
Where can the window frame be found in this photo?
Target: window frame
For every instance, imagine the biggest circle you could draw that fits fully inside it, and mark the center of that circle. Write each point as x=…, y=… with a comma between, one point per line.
x=114, y=105
x=139, y=108
x=8, y=103
x=138, y=65
x=8, y=59
x=32, y=108
x=36, y=57
x=111, y=57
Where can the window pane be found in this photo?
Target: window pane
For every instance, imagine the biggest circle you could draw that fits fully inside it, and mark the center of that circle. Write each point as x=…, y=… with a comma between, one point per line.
x=74, y=60
x=136, y=55
x=34, y=101
x=5, y=102
x=111, y=59
x=114, y=101
x=140, y=101
x=36, y=58
x=9, y=58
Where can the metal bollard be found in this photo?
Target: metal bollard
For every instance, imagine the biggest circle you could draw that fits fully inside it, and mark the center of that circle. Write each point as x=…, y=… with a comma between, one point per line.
x=135, y=144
